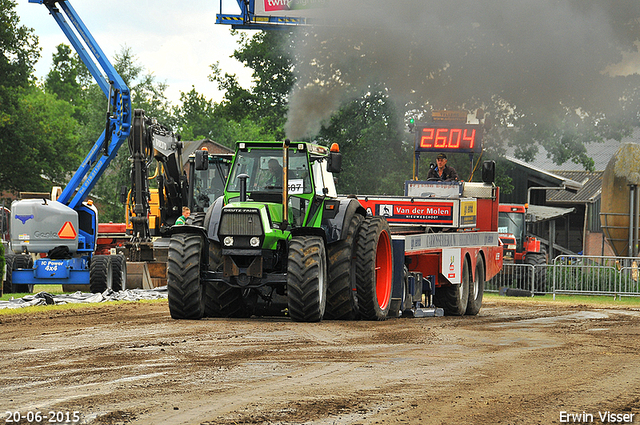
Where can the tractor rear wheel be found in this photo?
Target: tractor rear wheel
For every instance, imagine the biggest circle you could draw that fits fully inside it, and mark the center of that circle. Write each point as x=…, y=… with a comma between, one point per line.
x=476, y=289
x=307, y=278
x=374, y=268
x=221, y=300
x=197, y=219
x=539, y=279
x=185, y=293
x=342, y=302
x=454, y=298
x=100, y=274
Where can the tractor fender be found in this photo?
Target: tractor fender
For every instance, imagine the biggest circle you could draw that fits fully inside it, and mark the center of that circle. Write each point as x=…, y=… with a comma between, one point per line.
x=310, y=231
x=197, y=230
x=336, y=225
x=212, y=219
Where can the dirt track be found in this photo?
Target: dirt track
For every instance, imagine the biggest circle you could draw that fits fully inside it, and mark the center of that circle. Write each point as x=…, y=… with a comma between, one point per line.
x=518, y=362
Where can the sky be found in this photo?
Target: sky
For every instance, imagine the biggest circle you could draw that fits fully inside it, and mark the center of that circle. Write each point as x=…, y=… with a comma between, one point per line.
x=176, y=41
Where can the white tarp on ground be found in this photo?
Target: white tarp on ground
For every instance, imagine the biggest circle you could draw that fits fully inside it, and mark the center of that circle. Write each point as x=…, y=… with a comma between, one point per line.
x=44, y=298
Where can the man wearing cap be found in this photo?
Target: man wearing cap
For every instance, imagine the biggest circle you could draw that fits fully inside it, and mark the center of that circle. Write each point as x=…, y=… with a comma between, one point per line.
x=442, y=171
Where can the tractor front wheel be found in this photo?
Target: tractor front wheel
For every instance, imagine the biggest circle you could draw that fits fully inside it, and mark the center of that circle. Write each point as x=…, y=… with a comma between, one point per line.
x=307, y=278
x=185, y=293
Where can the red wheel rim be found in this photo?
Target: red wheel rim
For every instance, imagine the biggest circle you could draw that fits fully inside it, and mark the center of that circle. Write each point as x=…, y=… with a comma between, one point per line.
x=383, y=270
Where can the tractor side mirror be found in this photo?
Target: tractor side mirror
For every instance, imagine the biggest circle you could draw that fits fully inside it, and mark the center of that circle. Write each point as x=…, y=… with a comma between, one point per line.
x=334, y=163
x=202, y=160
x=489, y=171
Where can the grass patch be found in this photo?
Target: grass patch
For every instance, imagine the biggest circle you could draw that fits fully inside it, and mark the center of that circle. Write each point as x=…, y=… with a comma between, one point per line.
x=70, y=306
x=51, y=289
x=590, y=300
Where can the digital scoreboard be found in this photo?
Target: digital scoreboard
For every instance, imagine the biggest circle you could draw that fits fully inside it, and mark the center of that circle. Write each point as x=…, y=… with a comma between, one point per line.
x=448, y=138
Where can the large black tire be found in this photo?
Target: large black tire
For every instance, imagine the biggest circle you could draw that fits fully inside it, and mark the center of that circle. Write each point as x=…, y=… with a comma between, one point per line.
x=342, y=301
x=7, y=285
x=197, y=219
x=100, y=274
x=119, y=272
x=14, y=262
x=453, y=299
x=307, y=278
x=185, y=293
x=476, y=289
x=374, y=269
x=538, y=260
x=221, y=300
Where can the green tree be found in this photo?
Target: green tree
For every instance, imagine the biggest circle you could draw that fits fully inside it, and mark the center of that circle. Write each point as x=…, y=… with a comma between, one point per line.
x=38, y=142
x=195, y=116
x=18, y=49
x=376, y=156
x=268, y=53
x=39, y=145
x=197, y=119
x=376, y=159
x=146, y=92
x=68, y=78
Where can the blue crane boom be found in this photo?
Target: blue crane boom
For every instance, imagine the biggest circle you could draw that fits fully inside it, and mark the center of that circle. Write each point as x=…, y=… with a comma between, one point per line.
x=118, y=121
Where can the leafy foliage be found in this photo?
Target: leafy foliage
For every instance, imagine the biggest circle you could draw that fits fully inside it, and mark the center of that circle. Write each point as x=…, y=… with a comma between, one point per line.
x=376, y=160
x=269, y=55
x=38, y=144
x=37, y=131
x=18, y=48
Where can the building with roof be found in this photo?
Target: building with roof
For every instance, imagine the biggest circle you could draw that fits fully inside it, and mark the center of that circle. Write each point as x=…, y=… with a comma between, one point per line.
x=214, y=148
x=569, y=223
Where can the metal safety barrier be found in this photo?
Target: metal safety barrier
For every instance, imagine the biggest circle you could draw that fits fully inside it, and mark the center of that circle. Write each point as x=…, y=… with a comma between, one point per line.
x=517, y=277
x=585, y=275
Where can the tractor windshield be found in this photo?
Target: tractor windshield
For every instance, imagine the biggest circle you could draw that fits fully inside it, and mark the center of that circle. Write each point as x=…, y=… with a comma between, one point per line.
x=264, y=168
x=208, y=185
x=514, y=223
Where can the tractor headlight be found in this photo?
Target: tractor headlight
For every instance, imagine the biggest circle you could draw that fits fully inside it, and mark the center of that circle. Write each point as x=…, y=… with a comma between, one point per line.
x=228, y=241
x=255, y=242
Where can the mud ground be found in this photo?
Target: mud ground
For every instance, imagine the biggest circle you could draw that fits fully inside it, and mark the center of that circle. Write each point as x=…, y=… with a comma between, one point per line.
x=517, y=362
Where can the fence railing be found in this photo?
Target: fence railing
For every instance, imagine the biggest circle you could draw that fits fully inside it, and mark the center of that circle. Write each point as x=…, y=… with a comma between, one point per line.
x=590, y=275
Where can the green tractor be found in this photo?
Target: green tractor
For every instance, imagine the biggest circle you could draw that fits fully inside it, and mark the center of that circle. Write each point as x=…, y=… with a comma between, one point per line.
x=281, y=242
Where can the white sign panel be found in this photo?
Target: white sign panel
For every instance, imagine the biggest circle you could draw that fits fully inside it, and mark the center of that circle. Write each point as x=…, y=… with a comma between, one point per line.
x=452, y=264
x=292, y=8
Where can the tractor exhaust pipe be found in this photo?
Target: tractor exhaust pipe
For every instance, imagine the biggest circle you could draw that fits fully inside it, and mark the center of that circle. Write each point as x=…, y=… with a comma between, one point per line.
x=285, y=183
x=243, y=186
